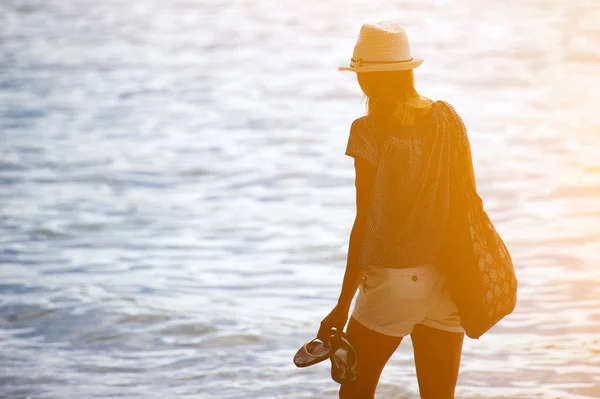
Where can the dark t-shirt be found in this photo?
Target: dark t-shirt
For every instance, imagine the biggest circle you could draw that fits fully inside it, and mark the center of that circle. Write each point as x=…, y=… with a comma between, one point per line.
x=408, y=207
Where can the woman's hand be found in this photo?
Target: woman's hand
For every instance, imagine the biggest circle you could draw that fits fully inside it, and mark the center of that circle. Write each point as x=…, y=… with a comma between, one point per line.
x=336, y=319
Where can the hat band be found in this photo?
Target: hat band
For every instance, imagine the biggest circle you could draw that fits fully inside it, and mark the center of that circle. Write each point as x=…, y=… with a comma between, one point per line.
x=359, y=62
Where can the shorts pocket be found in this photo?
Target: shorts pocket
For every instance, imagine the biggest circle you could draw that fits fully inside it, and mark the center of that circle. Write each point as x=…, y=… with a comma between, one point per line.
x=412, y=286
x=372, y=280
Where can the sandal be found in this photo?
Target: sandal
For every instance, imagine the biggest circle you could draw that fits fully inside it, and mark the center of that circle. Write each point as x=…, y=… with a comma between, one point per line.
x=343, y=361
x=316, y=351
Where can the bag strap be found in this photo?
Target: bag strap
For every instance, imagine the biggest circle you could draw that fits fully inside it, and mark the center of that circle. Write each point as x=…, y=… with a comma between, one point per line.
x=459, y=142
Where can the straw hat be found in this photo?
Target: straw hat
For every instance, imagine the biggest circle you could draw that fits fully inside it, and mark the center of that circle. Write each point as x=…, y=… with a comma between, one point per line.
x=382, y=46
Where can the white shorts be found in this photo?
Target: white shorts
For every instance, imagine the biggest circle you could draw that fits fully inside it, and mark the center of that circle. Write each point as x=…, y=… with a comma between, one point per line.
x=393, y=301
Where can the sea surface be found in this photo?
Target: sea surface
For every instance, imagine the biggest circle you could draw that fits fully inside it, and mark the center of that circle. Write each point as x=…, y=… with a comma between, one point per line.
x=175, y=202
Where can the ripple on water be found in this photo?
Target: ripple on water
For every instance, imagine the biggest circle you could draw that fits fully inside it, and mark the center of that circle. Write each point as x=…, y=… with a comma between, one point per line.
x=144, y=319
x=232, y=341
x=184, y=329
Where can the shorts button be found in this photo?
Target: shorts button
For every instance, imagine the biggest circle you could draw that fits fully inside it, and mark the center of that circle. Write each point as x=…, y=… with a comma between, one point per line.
x=415, y=278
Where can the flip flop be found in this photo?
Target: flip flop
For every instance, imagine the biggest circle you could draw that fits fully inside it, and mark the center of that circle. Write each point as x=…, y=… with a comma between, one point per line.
x=316, y=351
x=343, y=361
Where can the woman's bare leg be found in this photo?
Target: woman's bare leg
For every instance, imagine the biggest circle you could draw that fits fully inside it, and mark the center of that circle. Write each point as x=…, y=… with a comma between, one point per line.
x=437, y=359
x=373, y=350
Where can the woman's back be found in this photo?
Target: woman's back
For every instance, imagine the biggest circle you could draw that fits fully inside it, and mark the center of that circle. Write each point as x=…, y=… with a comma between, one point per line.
x=409, y=201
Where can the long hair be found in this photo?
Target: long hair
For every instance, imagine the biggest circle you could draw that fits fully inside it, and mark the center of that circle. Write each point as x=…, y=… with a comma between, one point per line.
x=392, y=99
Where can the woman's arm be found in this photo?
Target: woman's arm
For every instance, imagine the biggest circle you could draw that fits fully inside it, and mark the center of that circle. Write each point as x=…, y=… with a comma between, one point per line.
x=338, y=317
x=363, y=182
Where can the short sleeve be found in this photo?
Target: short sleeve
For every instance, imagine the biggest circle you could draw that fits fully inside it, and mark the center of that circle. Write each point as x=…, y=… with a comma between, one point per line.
x=361, y=143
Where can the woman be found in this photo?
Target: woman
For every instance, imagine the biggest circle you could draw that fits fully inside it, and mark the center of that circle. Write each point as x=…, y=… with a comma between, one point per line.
x=401, y=157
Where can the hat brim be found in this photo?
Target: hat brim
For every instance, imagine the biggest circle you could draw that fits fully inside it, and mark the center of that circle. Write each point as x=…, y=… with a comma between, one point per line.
x=400, y=66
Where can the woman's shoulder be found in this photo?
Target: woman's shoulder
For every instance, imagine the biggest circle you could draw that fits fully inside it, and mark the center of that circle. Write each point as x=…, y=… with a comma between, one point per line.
x=361, y=126
x=448, y=118
x=358, y=122
x=445, y=107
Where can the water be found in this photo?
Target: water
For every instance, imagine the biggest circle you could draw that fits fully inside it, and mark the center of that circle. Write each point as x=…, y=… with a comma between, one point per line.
x=175, y=203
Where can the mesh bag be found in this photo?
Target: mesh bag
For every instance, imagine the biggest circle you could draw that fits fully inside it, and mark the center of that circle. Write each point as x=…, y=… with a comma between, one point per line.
x=479, y=269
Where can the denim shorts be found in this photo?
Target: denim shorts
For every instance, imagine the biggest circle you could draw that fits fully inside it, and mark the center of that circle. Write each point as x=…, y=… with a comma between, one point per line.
x=393, y=301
